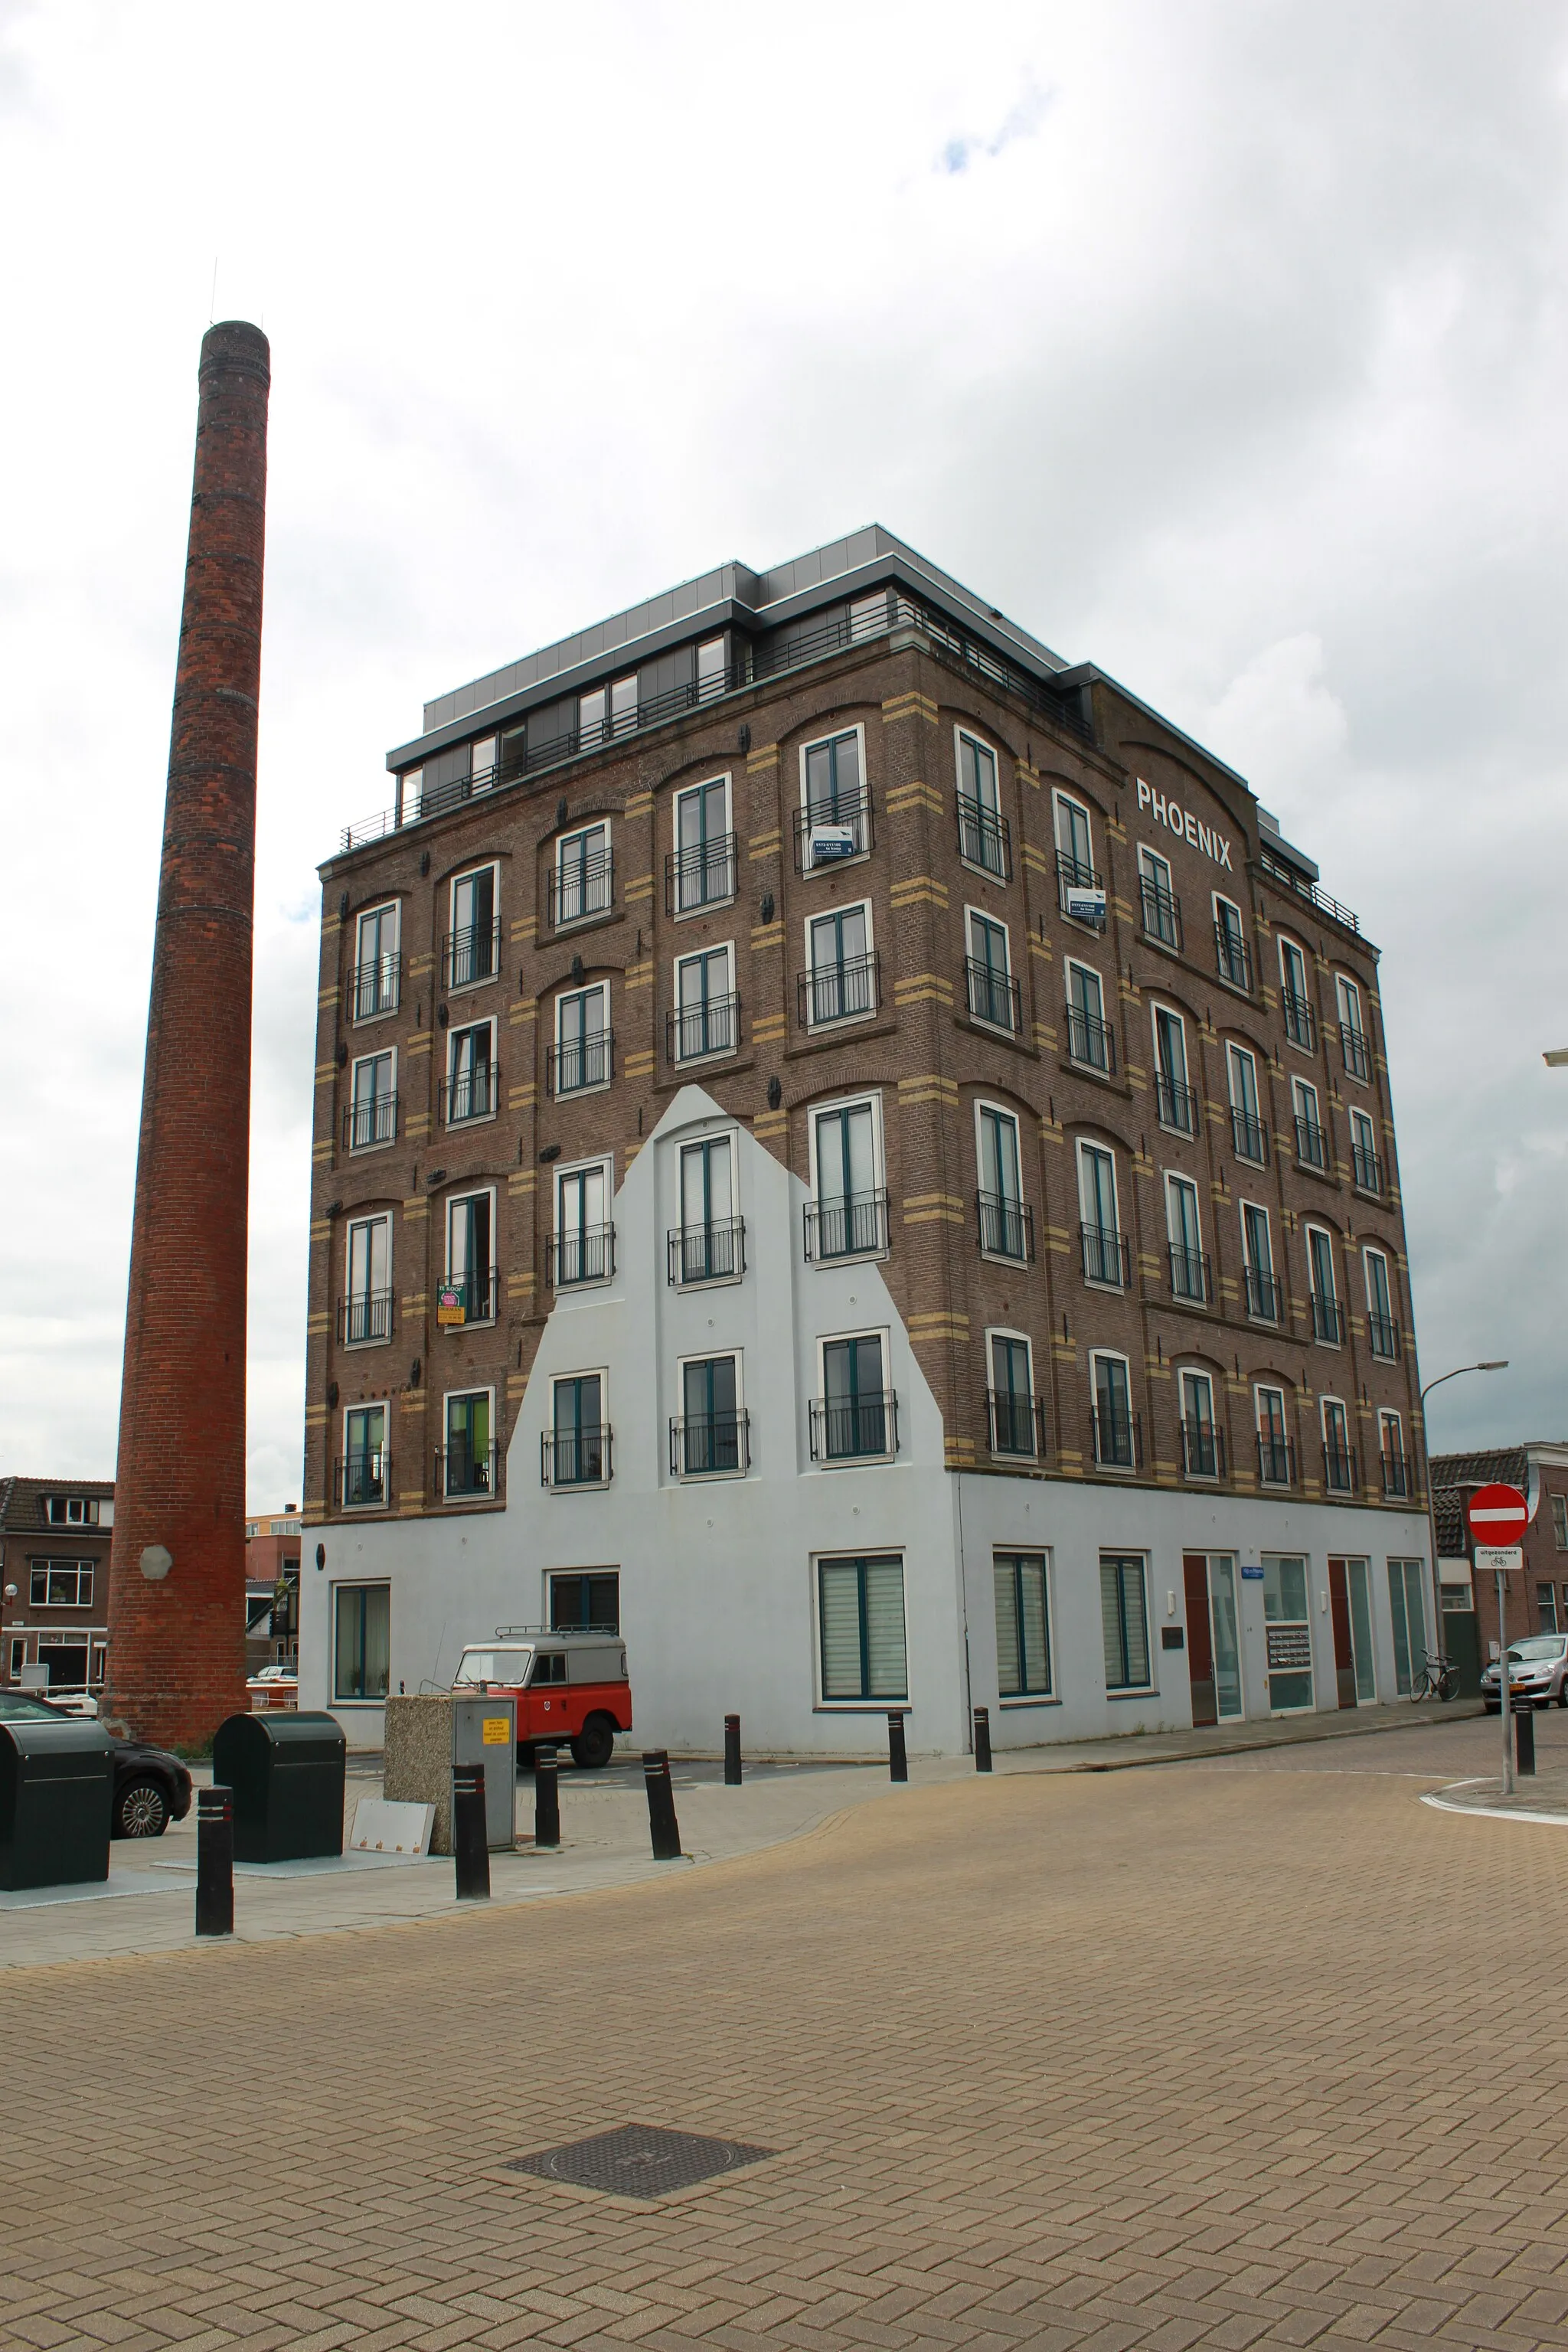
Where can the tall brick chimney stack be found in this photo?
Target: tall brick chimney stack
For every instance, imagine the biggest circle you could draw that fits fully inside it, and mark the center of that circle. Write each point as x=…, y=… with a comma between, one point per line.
x=176, y=1579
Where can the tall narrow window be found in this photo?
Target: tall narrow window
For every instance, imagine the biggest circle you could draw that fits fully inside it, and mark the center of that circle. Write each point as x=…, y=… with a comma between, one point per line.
x=372, y=1106
x=983, y=833
x=471, y=1285
x=1326, y=1321
x=1381, y=1329
x=706, y=1004
x=362, y=1641
x=1102, y=1243
x=709, y=1438
x=584, y=1237
x=860, y=1611
x=703, y=869
x=1202, y=1456
x=1311, y=1143
x=1233, y=957
x=577, y=1447
x=841, y=985
x=1006, y=1228
x=1160, y=908
x=1274, y=1464
x=1013, y=1417
x=362, y=1478
x=1295, y=1001
x=470, y=1457
x=993, y=994
x=1184, y=1246
x=473, y=946
x=1258, y=1265
x=1124, y=1619
x=1115, y=1431
x=1175, y=1103
x=377, y=963
x=849, y=1212
x=1022, y=1625
x=367, y=1304
x=1391, y=1446
x=1366, y=1166
x=1250, y=1138
x=1090, y=1038
x=836, y=810
x=471, y=1074
x=1079, y=891
x=1353, y=1051
x=1339, y=1462
x=584, y=876
x=709, y=1246
x=857, y=1415
x=712, y=668
x=583, y=1047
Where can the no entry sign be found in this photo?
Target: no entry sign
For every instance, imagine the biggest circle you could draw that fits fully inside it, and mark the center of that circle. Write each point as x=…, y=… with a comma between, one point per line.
x=1498, y=1516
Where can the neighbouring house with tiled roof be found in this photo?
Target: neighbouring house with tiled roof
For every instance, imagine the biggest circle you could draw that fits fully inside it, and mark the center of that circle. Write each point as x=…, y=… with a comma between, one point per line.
x=1536, y=1601
x=53, y=1577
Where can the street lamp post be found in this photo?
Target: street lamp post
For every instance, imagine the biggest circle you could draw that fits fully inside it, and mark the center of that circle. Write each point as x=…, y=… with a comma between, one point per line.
x=1493, y=1364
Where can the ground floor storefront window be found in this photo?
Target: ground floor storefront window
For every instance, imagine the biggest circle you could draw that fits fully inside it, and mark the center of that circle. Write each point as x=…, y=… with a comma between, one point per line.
x=361, y=1647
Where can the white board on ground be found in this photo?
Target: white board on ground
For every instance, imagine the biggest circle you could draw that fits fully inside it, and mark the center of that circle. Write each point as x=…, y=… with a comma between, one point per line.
x=383, y=1827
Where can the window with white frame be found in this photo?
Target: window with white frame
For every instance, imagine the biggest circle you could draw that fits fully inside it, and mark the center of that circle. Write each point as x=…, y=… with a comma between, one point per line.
x=1250, y=1137
x=576, y=1446
x=1366, y=1166
x=709, y=1437
x=983, y=833
x=1275, y=1466
x=1188, y=1264
x=72, y=1511
x=1338, y=1461
x=1294, y=995
x=1022, y=1581
x=372, y=1101
x=469, y=1461
x=840, y=980
x=362, y=1643
x=367, y=1295
x=1124, y=1621
x=1353, y=1049
x=705, y=1020
x=583, y=881
x=1079, y=892
x=60, y=1583
x=847, y=1214
x=835, y=808
x=471, y=1089
x=363, y=1473
x=1162, y=910
x=860, y=1627
x=1006, y=1223
x=992, y=991
x=469, y=1294
x=1328, y=1323
x=1383, y=1331
x=1311, y=1142
x=583, y=1247
x=378, y=965
x=1233, y=957
x=1091, y=1041
x=581, y=1058
x=1175, y=1102
x=1203, y=1454
x=1014, y=1408
x=856, y=1416
x=1114, y=1427
x=709, y=1244
x=1560, y=1521
x=1103, y=1244
x=473, y=944
x=1258, y=1263
x=703, y=871
x=1396, y=1463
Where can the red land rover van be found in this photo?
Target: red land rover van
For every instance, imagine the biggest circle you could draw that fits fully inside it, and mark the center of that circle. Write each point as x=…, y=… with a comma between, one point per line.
x=568, y=1686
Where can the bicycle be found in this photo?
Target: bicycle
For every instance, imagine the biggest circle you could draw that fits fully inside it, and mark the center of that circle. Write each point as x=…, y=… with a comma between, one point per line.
x=1438, y=1678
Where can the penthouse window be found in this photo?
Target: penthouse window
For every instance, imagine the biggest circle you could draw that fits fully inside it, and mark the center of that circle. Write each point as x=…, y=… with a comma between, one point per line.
x=607, y=711
x=1249, y=1135
x=1158, y=905
x=841, y=979
x=834, y=819
x=581, y=1057
x=990, y=987
x=1092, y=1042
x=706, y=1015
x=471, y=1090
x=848, y=1214
x=469, y=1295
x=1354, y=1052
x=1006, y=1224
x=582, y=880
x=1175, y=1102
x=1295, y=997
x=582, y=1247
x=985, y=840
x=371, y=1117
x=378, y=962
x=702, y=870
x=1080, y=890
x=365, y=1317
x=473, y=943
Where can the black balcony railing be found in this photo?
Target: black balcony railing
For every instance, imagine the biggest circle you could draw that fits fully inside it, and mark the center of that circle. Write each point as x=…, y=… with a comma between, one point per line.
x=1366, y=1167
x=1383, y=1335
x=470, y=956
x=1233, y=957
x=992, y=996
x=1106, y=1256
x=838, y=992
x=1312, y=1145
x=711, y=1253
x=1300, y=1021
x=1353, y=1051
x=1006, y=1226
x=1250, y=1138
x=576, y=1457
x=702, y=876
x=1340, y=1469
x=1076, y=884
x=1115, y=1439
x=1276, y=1461
x=1190, y=1274
x=846, y=1228
x=710, y=1445
x=1328, y=1318
x=1175, y=1104
x=851, y=816
x=468, y=1474
x=1161, y=914
x=371, y=1122
x=1396, y=1477
x=984, y=838
x=476, y=1292
x=377, y=986
x=1202, y=1449
x=694, y=1031
x=470, y=1094
x=1091, y=1042
x=363, y=1317
x=364, y=1481
x=855, y=1429
x=580, y=887
x=1289, y=879
x=579, y=1062
x=1262, y=1294
x=1016, y=1423
x=581, y=1254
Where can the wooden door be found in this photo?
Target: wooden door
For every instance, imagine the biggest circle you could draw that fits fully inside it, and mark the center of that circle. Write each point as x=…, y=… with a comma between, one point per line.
x=1200, y=1637
x=1344, y=1649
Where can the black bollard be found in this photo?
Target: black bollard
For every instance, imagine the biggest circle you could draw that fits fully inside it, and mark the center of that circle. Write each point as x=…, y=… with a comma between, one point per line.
x=983, y=1740
x=546, y=1794
x=663, y=1827
x=471, y=1837
x=214, y=1862
x=731, y=1751
x=898, y=1758
x=1524, y=1741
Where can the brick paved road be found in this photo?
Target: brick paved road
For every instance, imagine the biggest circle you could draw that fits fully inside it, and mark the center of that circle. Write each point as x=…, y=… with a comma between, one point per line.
x=1198, y=2056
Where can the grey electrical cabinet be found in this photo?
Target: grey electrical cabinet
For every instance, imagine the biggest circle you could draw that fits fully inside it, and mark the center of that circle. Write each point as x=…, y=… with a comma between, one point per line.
x=484, y=1731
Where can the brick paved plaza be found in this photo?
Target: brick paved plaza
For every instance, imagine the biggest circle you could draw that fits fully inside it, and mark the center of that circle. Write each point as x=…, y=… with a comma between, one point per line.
x=1252, y=2051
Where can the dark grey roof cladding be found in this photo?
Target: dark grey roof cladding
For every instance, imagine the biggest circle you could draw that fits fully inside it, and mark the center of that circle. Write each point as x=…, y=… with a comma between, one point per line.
x=20, y=1497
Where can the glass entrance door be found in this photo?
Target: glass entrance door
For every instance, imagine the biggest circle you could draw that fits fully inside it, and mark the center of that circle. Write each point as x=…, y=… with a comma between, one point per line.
x=1361, y=1632
x=1288, y=1634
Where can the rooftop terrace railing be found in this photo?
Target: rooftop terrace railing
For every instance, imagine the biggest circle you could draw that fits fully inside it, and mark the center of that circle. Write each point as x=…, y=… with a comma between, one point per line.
x=1278, y=871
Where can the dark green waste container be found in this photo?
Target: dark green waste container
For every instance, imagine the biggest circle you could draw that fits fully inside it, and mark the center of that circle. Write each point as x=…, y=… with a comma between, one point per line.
x=287, y=1774
x=56, y=1796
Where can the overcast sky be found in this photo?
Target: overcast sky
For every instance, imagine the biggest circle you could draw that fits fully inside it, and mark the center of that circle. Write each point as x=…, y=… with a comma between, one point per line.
x=1221, y=345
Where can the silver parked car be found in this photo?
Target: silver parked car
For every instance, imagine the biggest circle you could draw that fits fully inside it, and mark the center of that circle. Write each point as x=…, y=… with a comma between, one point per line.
x=1537, y=1674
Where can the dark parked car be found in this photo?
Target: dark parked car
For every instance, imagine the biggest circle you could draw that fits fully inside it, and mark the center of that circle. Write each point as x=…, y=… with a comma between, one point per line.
x=151, y=1788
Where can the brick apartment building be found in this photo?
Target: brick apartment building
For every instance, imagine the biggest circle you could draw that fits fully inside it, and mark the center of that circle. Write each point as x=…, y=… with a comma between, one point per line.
x=1537, y=1601
x=854, y=1150
x=55, y=1535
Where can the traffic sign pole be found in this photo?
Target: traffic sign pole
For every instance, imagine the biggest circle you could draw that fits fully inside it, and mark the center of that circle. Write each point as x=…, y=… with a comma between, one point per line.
x=1497, y=1517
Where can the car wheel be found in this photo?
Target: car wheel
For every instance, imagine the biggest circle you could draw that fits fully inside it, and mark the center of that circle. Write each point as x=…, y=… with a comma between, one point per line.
x=595, y=1744
x=1562, y=1693
x=141, y=1811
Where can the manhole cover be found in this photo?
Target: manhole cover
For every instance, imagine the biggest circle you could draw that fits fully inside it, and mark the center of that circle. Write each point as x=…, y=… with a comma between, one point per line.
x=639, y=2160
